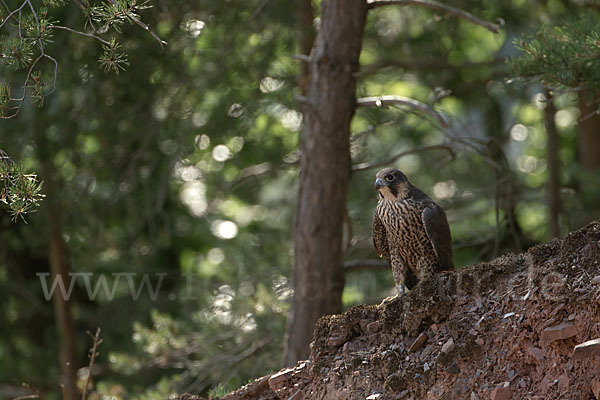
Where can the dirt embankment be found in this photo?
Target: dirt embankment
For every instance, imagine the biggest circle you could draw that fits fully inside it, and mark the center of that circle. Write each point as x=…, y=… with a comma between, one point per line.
x=519, y=327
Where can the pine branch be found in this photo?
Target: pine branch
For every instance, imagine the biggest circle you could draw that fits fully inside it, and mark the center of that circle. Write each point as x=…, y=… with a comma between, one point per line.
x=25, y=45
x=564, y=55
x=141, y=24
x=19, y=191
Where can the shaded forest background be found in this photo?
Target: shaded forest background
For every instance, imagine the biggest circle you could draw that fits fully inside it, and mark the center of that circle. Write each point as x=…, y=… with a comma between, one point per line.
x=184, y=166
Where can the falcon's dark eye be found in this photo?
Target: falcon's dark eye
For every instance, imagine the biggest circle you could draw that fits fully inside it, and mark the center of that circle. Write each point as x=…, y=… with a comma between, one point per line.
x=390, y=178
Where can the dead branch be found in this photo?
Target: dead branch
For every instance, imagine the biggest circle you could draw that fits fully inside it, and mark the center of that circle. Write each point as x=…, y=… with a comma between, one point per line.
x=381, y=163
x=92, y=355
x=361, y=265
x=36, y=393
x=434, y=5
x=385, y=101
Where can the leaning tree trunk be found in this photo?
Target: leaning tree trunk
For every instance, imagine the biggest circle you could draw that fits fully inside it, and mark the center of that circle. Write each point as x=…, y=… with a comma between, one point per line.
x=324, y=171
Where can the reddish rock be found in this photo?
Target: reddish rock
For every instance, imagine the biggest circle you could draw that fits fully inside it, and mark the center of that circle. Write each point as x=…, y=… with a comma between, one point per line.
x=418, y=343
x=536, y=353
x=587, y=349
x=501, y=393
x=596, y=388
x=277, y=381
x=448, y=346
x=338, y=336
x=559, y=332
x=596, y=280
x=563, y=383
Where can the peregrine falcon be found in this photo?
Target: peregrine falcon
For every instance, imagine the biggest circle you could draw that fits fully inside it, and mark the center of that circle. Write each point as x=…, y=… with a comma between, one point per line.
x=409, y=230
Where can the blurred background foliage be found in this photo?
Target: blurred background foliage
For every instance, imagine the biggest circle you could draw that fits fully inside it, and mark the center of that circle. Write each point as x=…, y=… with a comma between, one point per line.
x=185, y=164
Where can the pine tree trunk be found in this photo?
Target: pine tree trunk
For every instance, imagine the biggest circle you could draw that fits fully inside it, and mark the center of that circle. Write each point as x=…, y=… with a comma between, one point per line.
x=589, y=131
x=553, y=165
x=59, y=267
x=324, y=172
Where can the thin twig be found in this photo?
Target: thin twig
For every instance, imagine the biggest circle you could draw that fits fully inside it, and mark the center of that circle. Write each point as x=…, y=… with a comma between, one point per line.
x=385, y=101
x=381, y=163
x=80, y=33
x=150, y=31
x=93, y=353
x=13, y=13
x=434, y=5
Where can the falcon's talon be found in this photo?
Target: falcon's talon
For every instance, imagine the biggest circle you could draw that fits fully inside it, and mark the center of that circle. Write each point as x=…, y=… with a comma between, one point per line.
x=410, y=230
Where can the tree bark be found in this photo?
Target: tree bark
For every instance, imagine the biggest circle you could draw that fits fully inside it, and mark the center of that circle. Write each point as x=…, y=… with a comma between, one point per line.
x=553, y=165
x=589, y=131
x=59, y=267
x=307, y=39
x=324, y=172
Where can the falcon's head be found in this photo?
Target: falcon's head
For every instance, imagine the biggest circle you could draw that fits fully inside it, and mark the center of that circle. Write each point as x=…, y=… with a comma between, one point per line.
x=391, y=184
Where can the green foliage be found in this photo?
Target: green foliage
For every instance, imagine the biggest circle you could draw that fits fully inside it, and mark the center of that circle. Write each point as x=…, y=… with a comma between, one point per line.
x=564, y=55
x=55, y=3
x=29, y=32
x=114, y=13
x=19, y=191
x=16, y=53
x=111, y=58
x=38, y=88
x=217, y=392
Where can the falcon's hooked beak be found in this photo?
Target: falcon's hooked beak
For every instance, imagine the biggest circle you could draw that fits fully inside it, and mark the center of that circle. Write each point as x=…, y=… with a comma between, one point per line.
x=387, y=190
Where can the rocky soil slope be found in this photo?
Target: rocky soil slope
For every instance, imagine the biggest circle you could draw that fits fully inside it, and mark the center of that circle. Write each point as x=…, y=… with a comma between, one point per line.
x=523, y=326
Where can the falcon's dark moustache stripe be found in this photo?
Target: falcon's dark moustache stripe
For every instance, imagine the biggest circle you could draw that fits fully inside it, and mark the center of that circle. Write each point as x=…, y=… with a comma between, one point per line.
x=394, y=190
